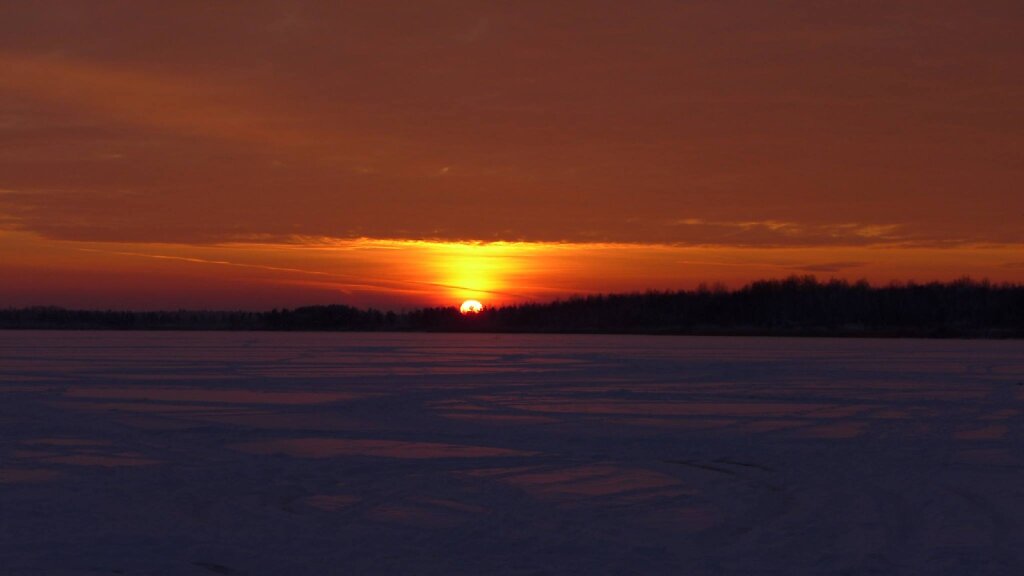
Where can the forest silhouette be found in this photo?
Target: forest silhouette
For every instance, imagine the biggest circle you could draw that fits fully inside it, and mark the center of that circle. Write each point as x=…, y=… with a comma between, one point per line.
x=795, y=306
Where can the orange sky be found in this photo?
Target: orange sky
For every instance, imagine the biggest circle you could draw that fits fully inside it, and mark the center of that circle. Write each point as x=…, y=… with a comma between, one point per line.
x=395, y=154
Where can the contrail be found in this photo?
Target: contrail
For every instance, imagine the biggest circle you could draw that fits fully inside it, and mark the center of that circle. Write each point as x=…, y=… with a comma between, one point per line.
x=348, y=279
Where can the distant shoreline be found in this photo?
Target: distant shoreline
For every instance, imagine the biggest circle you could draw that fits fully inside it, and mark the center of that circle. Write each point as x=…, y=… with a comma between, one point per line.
x=793, y=307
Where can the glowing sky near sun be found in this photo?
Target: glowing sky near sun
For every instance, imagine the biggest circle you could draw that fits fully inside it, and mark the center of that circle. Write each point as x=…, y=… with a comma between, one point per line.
x=396, y=154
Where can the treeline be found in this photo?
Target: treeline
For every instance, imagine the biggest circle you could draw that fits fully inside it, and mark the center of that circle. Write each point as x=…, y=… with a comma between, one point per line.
x=796, y=306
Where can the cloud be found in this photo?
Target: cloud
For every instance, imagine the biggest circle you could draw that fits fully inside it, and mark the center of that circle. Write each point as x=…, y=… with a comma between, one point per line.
x=338, y=119
x=789, y=233
x=184, y=104
x=833, y=267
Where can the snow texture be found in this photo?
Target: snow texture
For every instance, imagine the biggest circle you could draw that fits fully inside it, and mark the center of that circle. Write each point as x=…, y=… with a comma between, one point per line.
x=260, y=453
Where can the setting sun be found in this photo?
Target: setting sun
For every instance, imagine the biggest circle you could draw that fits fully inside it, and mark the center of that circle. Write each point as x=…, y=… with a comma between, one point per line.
x=471, y=307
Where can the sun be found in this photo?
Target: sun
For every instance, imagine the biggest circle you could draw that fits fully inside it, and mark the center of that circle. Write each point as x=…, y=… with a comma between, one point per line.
x=471, y=307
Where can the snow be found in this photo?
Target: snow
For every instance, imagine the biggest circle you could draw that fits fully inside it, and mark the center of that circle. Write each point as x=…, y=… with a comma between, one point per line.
x=302, y=453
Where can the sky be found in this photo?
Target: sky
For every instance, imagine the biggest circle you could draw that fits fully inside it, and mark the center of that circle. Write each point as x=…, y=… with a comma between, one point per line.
x=398, y=154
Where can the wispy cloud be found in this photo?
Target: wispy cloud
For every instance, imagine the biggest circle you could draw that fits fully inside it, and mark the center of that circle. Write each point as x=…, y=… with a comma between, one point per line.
x=784, y=232
x=184, y=104
x=832, y=267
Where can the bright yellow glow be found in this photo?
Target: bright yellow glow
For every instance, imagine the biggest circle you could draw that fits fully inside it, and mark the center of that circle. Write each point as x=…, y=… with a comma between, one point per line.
x=401, y=274
x=431, y=271
x=473, y=271
x=471, y=307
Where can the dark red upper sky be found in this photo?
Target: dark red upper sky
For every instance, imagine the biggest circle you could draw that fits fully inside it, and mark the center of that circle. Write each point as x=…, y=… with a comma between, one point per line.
x=733, y=125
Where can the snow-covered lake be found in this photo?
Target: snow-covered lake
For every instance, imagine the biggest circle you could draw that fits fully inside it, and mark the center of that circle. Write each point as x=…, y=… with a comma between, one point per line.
x=259, y=453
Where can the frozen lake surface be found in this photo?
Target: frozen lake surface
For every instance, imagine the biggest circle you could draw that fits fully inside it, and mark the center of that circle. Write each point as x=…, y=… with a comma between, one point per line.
x=261, y=453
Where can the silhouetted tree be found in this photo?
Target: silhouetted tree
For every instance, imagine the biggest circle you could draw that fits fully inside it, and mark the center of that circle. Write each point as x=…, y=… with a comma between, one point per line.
x=799, y=305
